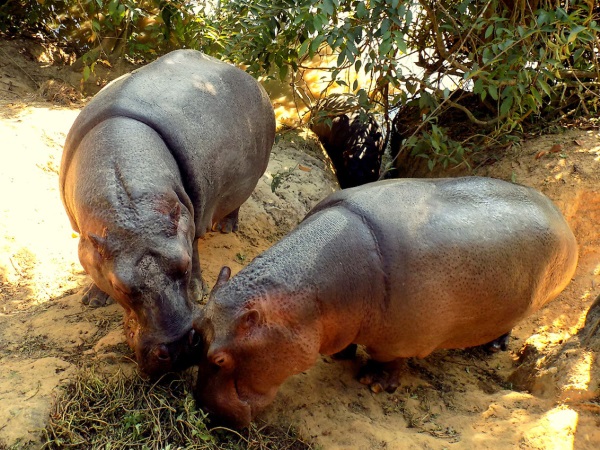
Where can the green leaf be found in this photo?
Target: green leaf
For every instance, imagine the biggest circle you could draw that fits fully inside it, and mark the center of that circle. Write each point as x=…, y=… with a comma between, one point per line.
x=430, y=164
x=86, y=73
x=303, y=48
x=542, y=84
x=578, y=29
x=316, y=42
x=462, y=7
x=283, y=71
x=409, y=17
x=489, y=31
x=328, y=7
x=351, y=48
x=493, y=91
x=478, y=86
x=545, y=17
x=385, y=46
x=112, y=7
x=400, y=43
x=536, y=95
x=506, y=105
x=361, y=10
x=341, y=57
x=385, y=25
x=487, y=56
x=357, y=65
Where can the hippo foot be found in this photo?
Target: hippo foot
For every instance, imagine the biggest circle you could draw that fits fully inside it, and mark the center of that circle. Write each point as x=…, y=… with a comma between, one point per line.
x=228, y=224
x=498, y=344
x=348, y=353
x=198, y=288
x=381, y=376
x=94, y=297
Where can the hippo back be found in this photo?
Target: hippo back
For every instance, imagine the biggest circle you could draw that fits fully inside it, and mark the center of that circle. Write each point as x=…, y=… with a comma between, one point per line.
x=215, y=119
x=457, y=253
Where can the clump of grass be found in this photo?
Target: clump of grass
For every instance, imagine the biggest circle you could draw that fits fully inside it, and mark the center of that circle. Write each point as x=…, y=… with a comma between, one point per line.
x=127, y=412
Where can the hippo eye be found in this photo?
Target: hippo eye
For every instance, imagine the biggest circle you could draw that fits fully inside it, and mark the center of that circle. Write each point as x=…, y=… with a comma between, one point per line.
x=187, y=267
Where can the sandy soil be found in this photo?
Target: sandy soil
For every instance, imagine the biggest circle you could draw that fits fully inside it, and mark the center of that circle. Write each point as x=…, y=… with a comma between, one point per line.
x=452, y=399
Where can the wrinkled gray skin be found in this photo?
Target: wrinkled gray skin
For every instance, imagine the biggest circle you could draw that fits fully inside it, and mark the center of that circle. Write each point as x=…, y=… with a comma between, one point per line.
x=403, y=267
x=157, y=158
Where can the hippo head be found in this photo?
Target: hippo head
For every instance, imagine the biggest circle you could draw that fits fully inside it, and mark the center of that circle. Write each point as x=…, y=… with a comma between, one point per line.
x=250, y=351
x=146, y=266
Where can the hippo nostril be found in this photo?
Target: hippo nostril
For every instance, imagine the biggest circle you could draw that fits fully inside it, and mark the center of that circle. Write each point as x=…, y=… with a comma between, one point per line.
x=162, y=353
x=194, y=338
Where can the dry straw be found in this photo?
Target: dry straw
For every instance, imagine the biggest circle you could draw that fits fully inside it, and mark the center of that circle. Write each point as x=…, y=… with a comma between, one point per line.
x=119, y=411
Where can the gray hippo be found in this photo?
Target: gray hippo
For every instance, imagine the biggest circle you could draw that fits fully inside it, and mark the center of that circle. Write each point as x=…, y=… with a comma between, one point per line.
x=157, y=158
x=403, y=267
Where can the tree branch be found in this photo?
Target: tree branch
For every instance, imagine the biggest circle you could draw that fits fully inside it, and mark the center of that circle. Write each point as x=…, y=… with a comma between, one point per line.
x=472, y=118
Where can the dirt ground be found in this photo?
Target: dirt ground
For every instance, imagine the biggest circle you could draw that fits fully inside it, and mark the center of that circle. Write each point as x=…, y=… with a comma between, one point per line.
x=459, y=399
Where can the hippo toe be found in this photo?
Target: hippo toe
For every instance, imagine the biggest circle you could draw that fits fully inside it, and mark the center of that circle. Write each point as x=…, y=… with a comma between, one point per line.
x=382, y=376
x=497, y=345
x=94, y=297
x=228, y=224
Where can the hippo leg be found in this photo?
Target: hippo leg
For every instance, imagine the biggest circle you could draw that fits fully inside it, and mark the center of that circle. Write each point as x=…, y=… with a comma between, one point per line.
x=348, y=353
x=94, y=297
x=498, y=344
x=198, y=288
x=229, y=223
x=381, y=376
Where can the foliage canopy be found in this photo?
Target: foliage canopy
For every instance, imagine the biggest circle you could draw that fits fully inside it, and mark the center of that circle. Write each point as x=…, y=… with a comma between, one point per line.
x=501, y=65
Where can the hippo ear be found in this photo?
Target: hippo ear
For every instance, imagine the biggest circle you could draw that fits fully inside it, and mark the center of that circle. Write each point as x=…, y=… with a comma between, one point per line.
x=223, y=277
x=172, y=209
x=99, y=243
x=249, y=319
x=175, y=214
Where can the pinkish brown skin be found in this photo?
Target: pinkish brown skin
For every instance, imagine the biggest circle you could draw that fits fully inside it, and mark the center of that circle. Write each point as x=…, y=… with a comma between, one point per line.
x=403, y=267
x=157, y=158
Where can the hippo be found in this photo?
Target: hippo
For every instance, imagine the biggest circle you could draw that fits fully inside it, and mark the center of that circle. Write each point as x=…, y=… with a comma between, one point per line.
x=403, y=267
x=352, y=139
x=157, y=158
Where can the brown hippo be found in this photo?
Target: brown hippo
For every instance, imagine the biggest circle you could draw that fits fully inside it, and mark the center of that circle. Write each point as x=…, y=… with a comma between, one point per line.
x=403, y=267
x=157, y=157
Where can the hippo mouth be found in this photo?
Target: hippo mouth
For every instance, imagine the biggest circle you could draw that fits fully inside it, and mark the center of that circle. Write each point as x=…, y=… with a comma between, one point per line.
x=244, y=410
x=251, y=403
x=156, y=352
x=226, y=405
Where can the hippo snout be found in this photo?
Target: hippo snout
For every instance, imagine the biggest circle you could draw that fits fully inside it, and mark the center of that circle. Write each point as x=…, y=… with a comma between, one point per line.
x=161, y=352
x=225, y=408
x=173, y=356
x=237, y=420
